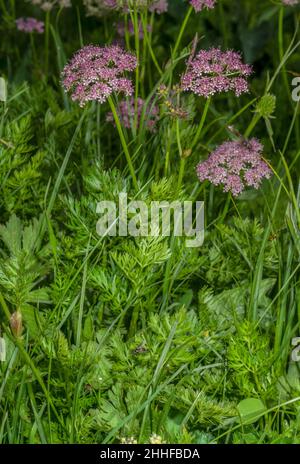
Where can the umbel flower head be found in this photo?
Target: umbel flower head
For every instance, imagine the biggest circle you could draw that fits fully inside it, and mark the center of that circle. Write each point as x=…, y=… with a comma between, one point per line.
x=99, y=7
x=156, y=6
x=159, y=6
x=94, y=73
x=235, y=165
x=30, y=25
x=47, y=5
x=199, y=5
x=102, y=7
x=214, y=71
x=126, y=113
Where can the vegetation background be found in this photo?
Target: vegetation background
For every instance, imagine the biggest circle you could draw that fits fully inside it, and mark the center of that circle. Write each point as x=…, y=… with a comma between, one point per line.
x=121, y=339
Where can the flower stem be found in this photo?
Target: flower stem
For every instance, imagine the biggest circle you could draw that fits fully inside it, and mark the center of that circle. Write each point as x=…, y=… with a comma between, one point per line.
x=168, y=149
x=123, y=142
x=181, y=174
x=47, y=28
x=201, y=124
x=280, y=47
x=34, y=54
x=182, y=29
x=182, y=160
x=148, y=40
x=137, y=69
x=226, y=208
x=252, y=125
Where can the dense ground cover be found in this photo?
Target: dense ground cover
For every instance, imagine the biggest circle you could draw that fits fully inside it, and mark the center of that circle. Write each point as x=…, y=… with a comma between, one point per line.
x=110, y=339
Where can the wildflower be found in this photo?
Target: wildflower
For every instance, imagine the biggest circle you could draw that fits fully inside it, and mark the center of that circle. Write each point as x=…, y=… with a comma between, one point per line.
x=30, y=25
x=126, y=112
x=155, y=6
x=159, y=6
x=235, y=165
x=156, y=439
x=213, y=71
x=199, y=5
x=101, y=7
x=94, y=73
x=171, y=101
x=128, y=441
x=16, y=324
x=47, y=5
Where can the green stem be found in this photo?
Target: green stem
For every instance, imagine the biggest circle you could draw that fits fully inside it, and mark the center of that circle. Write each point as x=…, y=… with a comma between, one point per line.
x=47, y=27
x=226, y=208
x=34, y=54
x=182, y=29
x=281, y=52
x=137, y=69
x=252, y=125
x=143, y=20
x=201, y=124
x=182, y=160
x=148, y=40
x=181, y=173
x=168, y=149
x=133, y=322
x=127, y=39
x=123, y=142
x=79, y=27
x=30, y=363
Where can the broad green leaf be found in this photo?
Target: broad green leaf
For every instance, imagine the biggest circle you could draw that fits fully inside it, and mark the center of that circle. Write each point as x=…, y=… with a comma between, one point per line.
x=250, y=410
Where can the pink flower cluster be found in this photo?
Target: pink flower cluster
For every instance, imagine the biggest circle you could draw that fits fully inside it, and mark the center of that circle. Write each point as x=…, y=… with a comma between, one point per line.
x=126, y=113
x=94, y=73
x=101, y=7
x=235, y=165
x=213, y=71
x=155, y=6
x=30, y=25
x=199, y=5
x=159, y=6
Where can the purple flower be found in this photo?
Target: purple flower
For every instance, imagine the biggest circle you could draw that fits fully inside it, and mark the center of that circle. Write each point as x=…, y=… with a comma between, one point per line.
x=213, y=71
x=235, y=165
x=30, y=25
x=126, y=113
x=101, y=7
x=159, y=6
x=155, y=6
x=94, y=73
x=201, y=4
